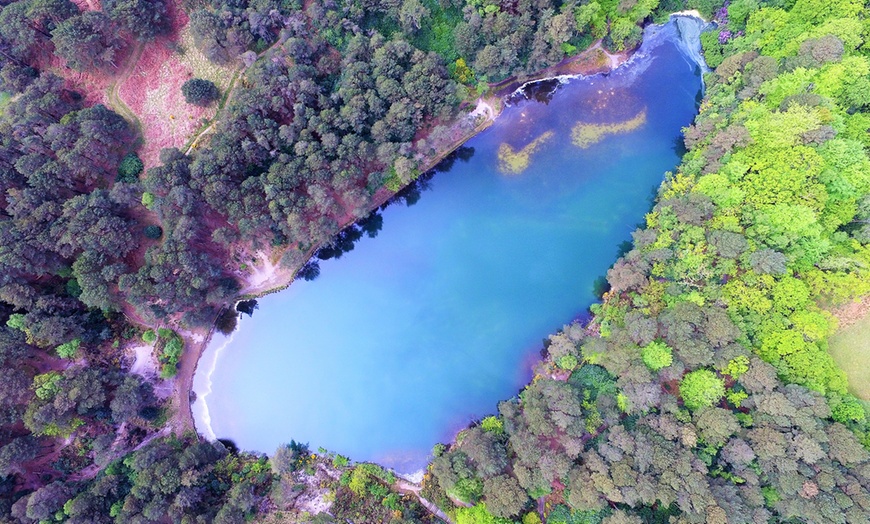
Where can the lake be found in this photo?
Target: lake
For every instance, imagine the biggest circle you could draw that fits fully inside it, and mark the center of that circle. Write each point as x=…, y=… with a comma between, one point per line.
x=417, y=332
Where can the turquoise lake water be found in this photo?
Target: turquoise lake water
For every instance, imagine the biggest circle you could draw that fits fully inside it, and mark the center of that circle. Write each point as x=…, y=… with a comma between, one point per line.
x=414, y=334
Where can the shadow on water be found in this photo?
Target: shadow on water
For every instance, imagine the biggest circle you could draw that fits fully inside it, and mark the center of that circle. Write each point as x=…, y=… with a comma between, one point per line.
x=247, y=306
x=679, y=146
x=541, y=91
x=229, y=444
x=371, y=225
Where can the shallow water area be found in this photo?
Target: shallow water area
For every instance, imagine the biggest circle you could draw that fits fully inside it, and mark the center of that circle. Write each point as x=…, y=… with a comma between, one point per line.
x=413, y=334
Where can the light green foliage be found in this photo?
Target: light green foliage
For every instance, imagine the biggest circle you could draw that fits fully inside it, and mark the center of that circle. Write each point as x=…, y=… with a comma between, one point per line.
x=802, y=360
x=657, y=355
x=736, y=398
x=147, y=199
x=149, y=336
x=848, y=409
x=359, y=481
x=625, y=33
x=46, y=385
x=771, y=496
x=737, y=366
x=492, y=424
x=738, y=13
x=16, y=321
x=172, y=347
x=568, y=362
x=622, y=402
x=340, y=461
x=701, y=388
x=531, y=518
x=69, y=349
x=468, y=489
x=478, y=515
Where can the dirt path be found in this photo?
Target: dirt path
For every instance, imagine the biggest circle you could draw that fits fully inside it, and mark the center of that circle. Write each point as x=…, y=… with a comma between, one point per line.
x=181, y=419
x=410, y=488
x=193, y=143
x=112, y=98
x=614, y=60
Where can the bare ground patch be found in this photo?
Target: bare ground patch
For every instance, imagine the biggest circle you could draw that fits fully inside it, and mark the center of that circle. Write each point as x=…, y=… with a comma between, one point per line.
x=850, y=346
x=152, y=90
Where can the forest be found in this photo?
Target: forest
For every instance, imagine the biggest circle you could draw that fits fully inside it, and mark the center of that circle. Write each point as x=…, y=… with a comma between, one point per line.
x=701, y=391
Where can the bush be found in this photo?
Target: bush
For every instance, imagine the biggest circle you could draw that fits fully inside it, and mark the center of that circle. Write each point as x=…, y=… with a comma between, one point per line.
x=701, y=388
x=130, y=168
x=149, y=337
x=69, y=350
x=147, y=199
x=656, y=355
x=199, y=92
x=493, y=425
x=153, y=232
x=568, y=362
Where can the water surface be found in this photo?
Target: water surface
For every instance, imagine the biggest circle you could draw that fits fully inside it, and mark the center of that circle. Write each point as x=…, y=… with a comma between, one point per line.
x=413, y=334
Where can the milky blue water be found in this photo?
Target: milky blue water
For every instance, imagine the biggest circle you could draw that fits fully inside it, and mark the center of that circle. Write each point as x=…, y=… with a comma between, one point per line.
x=415, y=333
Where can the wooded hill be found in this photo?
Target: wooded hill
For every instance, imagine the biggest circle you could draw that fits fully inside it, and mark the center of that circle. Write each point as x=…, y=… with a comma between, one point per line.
x=702, y=391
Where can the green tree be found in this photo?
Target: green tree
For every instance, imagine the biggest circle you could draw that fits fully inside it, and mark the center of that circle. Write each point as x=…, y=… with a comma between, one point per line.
x=87, y=41
x=69, y=349
x=200, y=92
x=144, y=18
x=130, y=168
x=701, y=388
x=657, y=355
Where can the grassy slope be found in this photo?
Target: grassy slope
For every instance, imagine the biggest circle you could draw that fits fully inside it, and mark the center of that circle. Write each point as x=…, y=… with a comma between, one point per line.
x=850, y=348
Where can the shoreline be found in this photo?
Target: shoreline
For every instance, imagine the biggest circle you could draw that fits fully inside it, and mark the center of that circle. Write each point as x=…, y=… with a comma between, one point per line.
x=491, y=107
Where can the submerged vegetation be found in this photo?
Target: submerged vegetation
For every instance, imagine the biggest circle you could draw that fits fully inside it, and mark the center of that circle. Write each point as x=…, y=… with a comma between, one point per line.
x=584, y=135
x=515, y=162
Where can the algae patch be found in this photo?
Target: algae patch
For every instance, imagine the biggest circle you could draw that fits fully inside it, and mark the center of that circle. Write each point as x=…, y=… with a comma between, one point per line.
x=585, y=135
x=515, y=162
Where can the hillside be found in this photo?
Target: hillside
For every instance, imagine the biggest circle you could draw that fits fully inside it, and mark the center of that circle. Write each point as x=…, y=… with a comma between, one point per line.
x=136, y=207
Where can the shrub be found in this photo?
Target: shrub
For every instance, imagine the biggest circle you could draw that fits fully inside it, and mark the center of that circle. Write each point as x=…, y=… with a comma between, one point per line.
x=130, y=168
x=568, y=362
x=200, y=92
x=153, y=232
x=701, y=388
x=147, y=199
x=69, y=350
x=149, y=337
x=657, y=355
x=168, y=370
x=492, y=424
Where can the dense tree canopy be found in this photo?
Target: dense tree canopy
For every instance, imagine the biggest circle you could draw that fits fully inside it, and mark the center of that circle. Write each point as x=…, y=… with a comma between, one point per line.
x=701, y=392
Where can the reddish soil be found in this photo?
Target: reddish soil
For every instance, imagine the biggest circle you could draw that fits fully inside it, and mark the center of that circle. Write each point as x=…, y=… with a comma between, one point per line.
x=93, y=85
x=152, y=90
x=852, y=312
